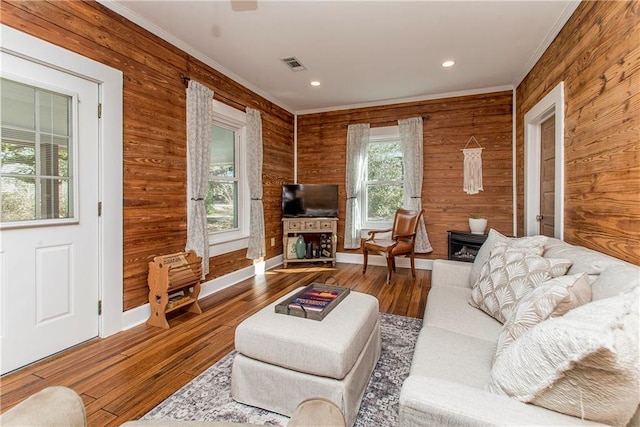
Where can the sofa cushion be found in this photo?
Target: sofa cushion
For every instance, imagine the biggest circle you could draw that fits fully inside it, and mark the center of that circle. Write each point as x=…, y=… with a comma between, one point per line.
x=460, y=358
x=448, y=308
x=584, y=363
x=615, y=280
x=583, y=260
x=552, y=298
x=534, y=243
x=508, y=276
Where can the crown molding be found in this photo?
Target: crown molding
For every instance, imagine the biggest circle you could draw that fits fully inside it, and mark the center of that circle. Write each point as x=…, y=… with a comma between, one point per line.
x=544, y=45
x=118, y=8
x=406, y=100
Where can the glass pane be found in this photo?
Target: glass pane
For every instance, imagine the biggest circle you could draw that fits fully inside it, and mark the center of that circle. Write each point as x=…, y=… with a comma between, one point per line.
x=222, y=206
x=54, y=156
x=18, y=105
x=384, y=162
x=36, y=149
x=382, y=201
x=55, y=110
x=18, y=157
x=55, y=202
x=222, y=155
x=18, y=198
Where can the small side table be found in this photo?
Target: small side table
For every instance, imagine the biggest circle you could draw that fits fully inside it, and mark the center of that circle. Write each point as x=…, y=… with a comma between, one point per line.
x=464, y=246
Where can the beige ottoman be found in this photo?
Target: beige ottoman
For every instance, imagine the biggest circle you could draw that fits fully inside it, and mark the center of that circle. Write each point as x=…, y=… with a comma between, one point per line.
x=283, y=360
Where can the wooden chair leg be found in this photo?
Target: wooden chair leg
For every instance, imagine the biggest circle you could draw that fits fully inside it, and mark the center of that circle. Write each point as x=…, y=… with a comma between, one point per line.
x=390, y=267
x=365, y=255
x=413, y=266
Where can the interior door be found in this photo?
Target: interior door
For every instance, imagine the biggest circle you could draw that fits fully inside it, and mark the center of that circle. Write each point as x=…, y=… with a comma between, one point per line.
x=546, y=217
x=49, y=211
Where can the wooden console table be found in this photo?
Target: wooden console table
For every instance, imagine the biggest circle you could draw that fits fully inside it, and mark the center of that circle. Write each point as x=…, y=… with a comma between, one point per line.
x=293, y=227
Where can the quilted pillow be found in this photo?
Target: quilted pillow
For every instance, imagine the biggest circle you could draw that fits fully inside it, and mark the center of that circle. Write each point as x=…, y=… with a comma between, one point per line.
x=534, y=244
x=584, y=363
x=552, y=298
x=508, y=276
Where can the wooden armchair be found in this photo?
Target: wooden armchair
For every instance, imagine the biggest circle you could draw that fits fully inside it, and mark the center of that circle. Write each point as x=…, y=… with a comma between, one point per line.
x=402, y=241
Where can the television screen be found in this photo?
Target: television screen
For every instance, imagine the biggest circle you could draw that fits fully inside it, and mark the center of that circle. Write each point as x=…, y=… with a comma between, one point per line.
x=310, y=200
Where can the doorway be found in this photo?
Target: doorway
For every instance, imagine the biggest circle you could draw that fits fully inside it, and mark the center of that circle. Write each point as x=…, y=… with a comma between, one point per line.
x=546, y=218
x=49, y=220
x=57, y=184
x=541, y=176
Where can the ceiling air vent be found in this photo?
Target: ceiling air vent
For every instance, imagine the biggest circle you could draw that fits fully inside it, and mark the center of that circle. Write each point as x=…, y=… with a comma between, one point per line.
x=293, y=63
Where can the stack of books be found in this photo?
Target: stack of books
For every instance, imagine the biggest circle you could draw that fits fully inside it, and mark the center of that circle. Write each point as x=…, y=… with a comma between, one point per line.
x=313, y=302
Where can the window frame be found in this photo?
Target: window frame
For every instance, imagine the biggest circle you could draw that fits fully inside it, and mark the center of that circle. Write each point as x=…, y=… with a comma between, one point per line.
x=221, y=242
x=379, y=135
x=72, y=180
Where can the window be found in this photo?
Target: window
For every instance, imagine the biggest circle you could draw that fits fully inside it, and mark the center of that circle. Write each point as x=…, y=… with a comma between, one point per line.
x=383, y=188
x=227, y=201
x=36, y=164
x=222, y=196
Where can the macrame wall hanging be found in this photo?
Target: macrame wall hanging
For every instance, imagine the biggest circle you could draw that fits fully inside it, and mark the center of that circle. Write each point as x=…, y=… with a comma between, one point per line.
x=472, y=167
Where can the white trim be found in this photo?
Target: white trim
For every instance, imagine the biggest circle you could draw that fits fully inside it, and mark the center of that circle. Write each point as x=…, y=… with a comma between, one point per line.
x=139, y=315
x=120, y=9
x=514, y=169
x=379, y=260
x=410, y=99
x=571, y=7
x=110, y=270
x=295, y=148
x=551, y=104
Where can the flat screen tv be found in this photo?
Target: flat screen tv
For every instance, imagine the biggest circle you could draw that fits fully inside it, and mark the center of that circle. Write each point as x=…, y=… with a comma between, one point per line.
x=309, y=200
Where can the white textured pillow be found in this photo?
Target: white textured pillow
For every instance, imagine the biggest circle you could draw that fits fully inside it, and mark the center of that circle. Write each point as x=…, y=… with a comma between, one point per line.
x=535, y=244
x=615, y=280
x=552, y=298
x=508, y=276
x=585, y=363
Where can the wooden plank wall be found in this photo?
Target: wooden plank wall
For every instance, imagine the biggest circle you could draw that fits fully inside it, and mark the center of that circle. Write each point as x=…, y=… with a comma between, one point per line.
x=155, y=129
x=448, y=125
x=597, y=55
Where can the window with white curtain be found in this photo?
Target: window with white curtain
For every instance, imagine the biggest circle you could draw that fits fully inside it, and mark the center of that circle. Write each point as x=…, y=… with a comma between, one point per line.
x=227, y=200
x=383, y=188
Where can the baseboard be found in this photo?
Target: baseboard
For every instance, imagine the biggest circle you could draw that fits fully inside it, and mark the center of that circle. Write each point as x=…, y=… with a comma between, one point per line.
x=421, y=264
x=139, y=315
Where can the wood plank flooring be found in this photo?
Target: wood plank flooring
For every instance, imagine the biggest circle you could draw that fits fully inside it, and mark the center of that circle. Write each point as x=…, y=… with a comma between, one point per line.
x=122, y=377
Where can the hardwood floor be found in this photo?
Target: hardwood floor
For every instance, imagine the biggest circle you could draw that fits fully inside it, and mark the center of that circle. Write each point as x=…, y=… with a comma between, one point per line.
x=122, y=377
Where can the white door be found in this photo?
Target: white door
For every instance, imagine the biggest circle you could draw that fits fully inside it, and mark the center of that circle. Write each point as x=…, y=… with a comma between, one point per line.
x=49, y=211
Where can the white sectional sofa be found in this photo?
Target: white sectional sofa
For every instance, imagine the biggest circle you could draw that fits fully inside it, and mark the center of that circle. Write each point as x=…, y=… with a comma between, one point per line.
x=454, y=355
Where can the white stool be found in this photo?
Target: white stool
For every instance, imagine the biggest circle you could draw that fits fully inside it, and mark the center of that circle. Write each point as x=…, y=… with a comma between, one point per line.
x=283, y=360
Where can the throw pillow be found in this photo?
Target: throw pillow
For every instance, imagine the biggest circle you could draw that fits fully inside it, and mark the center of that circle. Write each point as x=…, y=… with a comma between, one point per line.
x=508, y=276
x=615, y=280
x=584, y=363
x=535, y=244
x=552, y=298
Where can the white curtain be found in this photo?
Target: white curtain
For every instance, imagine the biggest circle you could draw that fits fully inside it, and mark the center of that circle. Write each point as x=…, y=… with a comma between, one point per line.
x=256, y=247
x=199, y=122
x=412, y=160
x=357, y=139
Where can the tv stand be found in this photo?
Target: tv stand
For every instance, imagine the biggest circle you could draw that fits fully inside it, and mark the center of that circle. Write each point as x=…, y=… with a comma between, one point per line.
x=293, y=227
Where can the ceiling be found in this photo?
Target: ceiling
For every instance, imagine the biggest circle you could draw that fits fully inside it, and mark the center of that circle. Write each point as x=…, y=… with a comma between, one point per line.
x=362, y=52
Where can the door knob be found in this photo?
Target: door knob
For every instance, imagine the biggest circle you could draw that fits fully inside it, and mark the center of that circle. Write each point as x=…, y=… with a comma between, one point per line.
x=539, y=217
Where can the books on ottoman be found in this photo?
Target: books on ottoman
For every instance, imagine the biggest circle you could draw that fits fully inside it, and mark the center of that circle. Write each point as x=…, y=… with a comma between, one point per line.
x=313, y=302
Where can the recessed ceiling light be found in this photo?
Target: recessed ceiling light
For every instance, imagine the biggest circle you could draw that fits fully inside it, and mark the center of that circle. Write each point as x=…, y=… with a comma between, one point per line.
x=315, y=83
x=447, y=64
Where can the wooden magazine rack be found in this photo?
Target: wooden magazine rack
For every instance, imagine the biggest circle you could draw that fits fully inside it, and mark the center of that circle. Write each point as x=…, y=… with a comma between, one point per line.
x=174, y=283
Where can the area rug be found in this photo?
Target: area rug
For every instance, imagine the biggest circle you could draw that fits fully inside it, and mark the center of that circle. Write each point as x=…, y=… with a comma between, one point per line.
x=208, y=396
